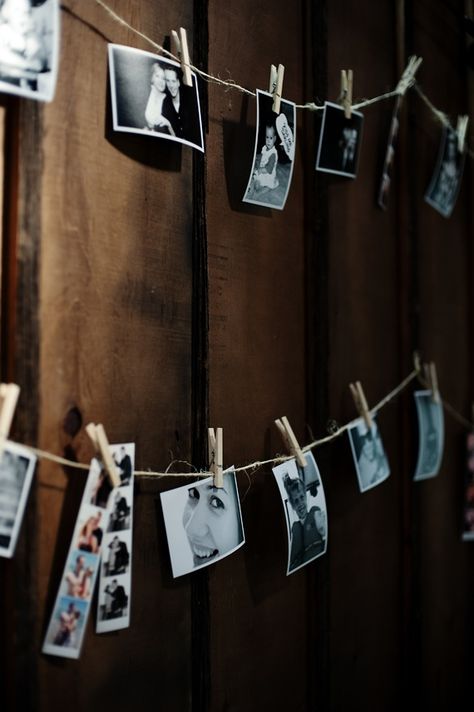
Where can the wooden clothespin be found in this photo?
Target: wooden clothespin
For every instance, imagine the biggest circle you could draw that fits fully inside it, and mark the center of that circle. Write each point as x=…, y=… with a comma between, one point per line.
x=9, y=393
x=272, y=85
x=216, y=455
x=361, y=403
x=101, y=444
x=181, y=44
x=347, y=80
x=432, y=378
x=461, y=131
x=277, y=86
x=290, y=440
x=417, y=362
x=408, y=77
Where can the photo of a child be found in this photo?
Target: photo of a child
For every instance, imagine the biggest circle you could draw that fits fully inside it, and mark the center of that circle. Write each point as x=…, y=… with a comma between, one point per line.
x=274, y=153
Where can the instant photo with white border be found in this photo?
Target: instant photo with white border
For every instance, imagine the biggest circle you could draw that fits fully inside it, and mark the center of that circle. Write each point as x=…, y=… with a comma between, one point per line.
x=369, y=456
x=68, y=621
x=445, y=182
x=203, y=523
x=339, y=141
x=29, y=48
x=149, y=97
x=17, y=466
x=115, y=582
x=302, y=495
x=430, y=435
x=274, y=153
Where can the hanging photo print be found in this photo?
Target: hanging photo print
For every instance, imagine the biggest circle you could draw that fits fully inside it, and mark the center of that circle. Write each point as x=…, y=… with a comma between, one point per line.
x=444, y=187
x=203, y=523
x=17, y=465
x=274, y=153
x=369, y=455
x=468, y=518
x=73, y=601
x=302, y=495
x=389, y=156
x=431, y=435
x=29, y=48
x=150, y=98
x=115, y=581
x=339, y=141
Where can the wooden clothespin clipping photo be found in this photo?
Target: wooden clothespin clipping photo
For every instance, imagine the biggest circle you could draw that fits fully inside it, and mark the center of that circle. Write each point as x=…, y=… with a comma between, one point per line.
x=461, y=131
x=361, y=403
x=347, y=81
x=181, y=45
x=432, y=378
x=101, y=444
x=290, y=440
x=216, y=455
x=278, y=90
x=9, y=393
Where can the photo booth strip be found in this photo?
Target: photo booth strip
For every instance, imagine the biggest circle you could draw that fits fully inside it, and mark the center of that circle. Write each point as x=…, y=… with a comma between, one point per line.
x=68, y=620
x=305, y=511
x=115, y=580
x=17, y=465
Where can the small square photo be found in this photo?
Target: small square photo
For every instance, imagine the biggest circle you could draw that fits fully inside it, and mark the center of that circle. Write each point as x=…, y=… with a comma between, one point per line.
x=29, y=47
x=16, y=472
x=274, y=154
x=444, y=187
x=369, y=455
x=304, y=503
x=149, y=97
x=431, y=435
x=339, y=141
x=203, y=523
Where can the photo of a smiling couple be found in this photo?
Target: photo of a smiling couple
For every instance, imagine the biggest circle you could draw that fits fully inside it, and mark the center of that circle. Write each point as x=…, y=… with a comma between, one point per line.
x=203, y=523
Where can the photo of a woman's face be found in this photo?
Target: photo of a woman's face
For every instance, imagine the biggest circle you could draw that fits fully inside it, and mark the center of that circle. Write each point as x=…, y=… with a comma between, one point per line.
x=211, y=521
x=203, y=523
x=158, y=78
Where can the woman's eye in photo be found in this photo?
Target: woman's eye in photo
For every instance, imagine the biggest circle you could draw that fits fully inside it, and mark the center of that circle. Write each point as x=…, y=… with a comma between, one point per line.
x=193, y=493
x=216, y=502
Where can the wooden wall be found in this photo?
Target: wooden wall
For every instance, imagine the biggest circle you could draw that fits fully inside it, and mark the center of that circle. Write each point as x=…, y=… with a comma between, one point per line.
x=139, y=291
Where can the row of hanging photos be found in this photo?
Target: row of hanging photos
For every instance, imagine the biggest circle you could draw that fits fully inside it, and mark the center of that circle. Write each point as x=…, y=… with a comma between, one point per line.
x=215, y=534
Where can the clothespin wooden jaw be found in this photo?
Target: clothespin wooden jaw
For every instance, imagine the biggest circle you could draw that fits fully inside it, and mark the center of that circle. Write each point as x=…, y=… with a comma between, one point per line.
x=216, y=455
x=181, y=44
x=290, y=440
x=361, y=403
x=417, y=362
x=276, y=86
x=101, y=444
x=347, y=80
x=461, y=131
x=9, y=393
x=432, y=378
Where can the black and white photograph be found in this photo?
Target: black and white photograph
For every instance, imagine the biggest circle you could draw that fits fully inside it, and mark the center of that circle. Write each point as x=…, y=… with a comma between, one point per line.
x=66, y=627
x=304, y=503
x=339, y=141
x=73, y=600
x=113, y=613
x=120, y=511
x=384, y=189
x=444, y=186
x=274, y=153
x=29, y=47
x=149, y=97
x=468, y=508
x=203, y=523
x=16, y=472
x=430, y=435
x=117, y=545
x=369, y=455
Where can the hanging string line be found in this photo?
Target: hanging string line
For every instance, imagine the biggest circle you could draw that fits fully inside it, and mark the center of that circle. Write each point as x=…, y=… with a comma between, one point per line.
x=407, y=80
x=252, y=467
